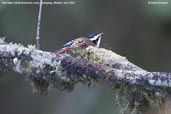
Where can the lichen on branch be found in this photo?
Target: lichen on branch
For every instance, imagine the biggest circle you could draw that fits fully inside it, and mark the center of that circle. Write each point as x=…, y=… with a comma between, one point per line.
x=46, y=70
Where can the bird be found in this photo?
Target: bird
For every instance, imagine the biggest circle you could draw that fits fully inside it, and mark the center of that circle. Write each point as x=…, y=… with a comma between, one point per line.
x=78, y=44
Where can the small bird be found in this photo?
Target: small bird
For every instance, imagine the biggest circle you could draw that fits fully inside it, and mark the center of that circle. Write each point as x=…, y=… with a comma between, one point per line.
x=81, y=43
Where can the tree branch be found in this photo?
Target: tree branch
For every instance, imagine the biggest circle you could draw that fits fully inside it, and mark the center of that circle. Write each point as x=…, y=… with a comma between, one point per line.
x=67, y=68
x=38, y=25
x=46, y=70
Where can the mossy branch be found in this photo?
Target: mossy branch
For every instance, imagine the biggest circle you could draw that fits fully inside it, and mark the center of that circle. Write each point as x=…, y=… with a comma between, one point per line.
x=46, y=70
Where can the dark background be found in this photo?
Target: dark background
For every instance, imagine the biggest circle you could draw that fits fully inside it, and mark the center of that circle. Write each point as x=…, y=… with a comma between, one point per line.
x=134, y=28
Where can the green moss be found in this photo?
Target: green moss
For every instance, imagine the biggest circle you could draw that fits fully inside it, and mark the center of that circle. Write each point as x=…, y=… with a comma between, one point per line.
x=139, y=99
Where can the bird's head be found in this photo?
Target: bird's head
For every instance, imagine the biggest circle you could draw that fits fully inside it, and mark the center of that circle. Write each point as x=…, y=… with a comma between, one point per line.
x=95, y=38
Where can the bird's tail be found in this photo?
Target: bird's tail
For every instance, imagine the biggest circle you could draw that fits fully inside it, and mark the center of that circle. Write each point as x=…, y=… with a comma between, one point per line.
x=60, y=51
